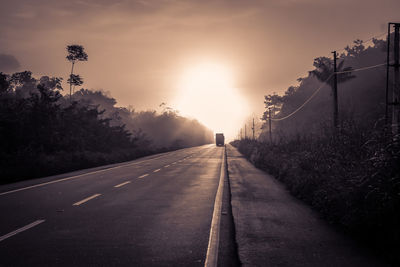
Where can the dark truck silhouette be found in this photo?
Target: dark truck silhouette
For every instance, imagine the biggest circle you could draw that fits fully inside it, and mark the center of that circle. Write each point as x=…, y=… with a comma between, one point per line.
x=219, y=139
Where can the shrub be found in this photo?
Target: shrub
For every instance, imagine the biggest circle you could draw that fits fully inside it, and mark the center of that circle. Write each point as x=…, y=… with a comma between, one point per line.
x=352, y=178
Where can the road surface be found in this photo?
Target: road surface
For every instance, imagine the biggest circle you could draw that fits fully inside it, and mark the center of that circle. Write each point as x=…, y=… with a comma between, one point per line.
x=155, y=211
x=159, y=211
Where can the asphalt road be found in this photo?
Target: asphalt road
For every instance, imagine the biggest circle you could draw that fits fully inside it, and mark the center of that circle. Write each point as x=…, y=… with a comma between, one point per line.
x=155, y=211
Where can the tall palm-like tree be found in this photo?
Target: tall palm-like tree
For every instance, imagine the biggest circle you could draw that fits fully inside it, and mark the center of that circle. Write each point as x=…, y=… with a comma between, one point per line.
x=324, y=69
x=75, y=53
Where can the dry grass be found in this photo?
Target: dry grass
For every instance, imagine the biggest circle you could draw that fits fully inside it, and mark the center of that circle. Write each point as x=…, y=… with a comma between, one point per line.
x=352, y=179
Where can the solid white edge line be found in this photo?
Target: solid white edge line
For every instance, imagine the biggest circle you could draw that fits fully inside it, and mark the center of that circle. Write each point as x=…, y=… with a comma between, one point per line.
x=213, y=241
x=144, y=175
x=26, y=227
x=122, y=184
x=85, y=200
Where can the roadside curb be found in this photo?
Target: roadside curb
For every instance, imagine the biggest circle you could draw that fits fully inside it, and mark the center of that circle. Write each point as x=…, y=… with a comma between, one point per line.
x=235, y=243
x=213, y=242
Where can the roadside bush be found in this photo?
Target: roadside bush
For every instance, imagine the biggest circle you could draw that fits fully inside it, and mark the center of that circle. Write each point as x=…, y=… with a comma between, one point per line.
x=351, y=177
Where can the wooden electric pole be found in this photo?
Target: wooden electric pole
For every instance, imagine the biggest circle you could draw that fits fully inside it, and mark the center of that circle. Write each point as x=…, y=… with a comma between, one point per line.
x=396, y=79
x=245, y=131
x=395, y=99
x=387, y=77
x=335, y=95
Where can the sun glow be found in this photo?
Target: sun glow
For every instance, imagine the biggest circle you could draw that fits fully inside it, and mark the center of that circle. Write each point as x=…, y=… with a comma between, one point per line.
x=207, y=93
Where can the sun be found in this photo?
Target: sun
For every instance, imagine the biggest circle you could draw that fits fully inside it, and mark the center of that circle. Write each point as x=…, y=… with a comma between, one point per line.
x=207, y=92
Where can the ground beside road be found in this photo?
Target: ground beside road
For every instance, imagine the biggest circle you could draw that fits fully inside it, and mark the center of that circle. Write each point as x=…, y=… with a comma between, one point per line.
x=272, y=228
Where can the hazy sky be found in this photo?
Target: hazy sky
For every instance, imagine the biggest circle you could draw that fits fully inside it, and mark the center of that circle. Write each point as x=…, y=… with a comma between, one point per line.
x=141, y=50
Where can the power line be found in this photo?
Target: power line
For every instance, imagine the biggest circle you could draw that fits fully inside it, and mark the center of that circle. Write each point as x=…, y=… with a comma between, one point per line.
x=362, y=68
x=322, y=85
x=305, y=103
x=375, y=37
x=330, y=76
x=367, y=40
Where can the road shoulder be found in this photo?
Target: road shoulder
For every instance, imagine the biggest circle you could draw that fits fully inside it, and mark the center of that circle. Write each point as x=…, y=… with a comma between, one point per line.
x=272, y=228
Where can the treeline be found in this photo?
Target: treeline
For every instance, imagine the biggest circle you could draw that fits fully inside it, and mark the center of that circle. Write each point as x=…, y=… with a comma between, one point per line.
x=43, y=132
x=361, y=95
x=165, y=129
x=350, y=174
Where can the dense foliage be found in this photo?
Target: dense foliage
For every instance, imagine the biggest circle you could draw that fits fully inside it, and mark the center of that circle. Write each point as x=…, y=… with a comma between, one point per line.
x=352, y=179
x=350, y=174
x=44, y=133
x=361, y=95
x=40, y=136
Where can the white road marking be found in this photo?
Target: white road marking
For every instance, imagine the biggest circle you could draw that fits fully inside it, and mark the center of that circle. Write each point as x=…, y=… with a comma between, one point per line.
x=213, y=241
x=122, y=184
x=85, y=200
x=80, y=175
x=173, y=163
x=157, y=170
x=144, y=175
x=166, y=166
x=26, y=227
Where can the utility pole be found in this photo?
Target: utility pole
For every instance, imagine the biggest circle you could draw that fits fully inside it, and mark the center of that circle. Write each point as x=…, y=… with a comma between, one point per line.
x=395, y=109
x=253, y=129
x=396, y=81
x=335, y=96
x=245, y=131
x=387, y=77
x=240, y=133
x=270, y=128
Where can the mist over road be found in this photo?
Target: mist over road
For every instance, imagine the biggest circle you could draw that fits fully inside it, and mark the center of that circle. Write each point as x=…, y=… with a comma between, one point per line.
x=148, y=212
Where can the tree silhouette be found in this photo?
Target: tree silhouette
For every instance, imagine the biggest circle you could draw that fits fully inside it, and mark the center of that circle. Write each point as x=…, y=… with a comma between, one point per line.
x=75, y=80
x=75, y=53
x=273, y=102
x=324, y=69
x=23, y=84
x=357, y=48
x=4, y=82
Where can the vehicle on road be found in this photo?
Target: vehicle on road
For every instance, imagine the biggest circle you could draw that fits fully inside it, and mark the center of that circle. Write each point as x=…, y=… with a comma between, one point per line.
x=219, y=139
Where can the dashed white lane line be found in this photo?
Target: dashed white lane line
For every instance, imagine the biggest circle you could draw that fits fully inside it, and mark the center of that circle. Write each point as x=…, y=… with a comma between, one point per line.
x=81, y=175
x=166, y=166
x=173, y=163
x=144, y=175
x=85, y=200
x=26, y=227
x=157, y=170
x=122, y=184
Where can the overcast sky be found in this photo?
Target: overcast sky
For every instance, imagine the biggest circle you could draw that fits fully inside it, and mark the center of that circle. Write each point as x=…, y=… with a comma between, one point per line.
x=139, y=49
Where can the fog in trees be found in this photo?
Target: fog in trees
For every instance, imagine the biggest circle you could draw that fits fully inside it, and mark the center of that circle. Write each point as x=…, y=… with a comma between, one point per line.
x=49, y=132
